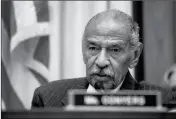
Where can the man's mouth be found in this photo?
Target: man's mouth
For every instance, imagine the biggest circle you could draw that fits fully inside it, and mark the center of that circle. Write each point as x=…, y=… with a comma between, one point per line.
x=102, y=77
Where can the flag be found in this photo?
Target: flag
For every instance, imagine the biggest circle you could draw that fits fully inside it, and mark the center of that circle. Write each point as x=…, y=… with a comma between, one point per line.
x=25, y=51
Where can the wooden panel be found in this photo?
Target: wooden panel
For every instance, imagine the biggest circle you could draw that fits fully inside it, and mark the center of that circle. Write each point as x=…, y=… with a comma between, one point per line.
x=158, y=39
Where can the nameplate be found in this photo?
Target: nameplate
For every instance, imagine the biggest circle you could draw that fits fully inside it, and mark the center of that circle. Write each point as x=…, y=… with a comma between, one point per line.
x=122, y=99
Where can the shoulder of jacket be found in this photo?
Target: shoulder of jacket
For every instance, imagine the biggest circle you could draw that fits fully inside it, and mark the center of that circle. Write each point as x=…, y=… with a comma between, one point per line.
x=58, y=84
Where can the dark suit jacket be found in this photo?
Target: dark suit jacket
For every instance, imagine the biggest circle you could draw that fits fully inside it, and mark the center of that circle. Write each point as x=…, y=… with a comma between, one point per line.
x=54, y=94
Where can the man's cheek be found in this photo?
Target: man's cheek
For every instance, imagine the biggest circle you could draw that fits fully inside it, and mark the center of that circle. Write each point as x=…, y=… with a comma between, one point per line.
x=90, y=61
x=115, y=65
x=117, y=68
x=86, y=56
x=122, y=62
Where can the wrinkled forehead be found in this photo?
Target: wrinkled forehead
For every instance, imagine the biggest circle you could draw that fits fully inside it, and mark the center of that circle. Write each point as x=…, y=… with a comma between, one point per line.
x=106, y=41
x=108, y=27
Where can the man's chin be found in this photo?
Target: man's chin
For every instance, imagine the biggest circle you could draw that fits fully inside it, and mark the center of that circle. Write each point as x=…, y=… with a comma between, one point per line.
x=104, y=85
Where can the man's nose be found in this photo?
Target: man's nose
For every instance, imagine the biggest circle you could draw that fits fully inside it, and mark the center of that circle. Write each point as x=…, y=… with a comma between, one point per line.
x=102, y=60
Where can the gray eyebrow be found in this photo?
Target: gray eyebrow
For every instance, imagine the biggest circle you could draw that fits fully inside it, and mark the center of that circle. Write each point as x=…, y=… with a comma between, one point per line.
x=111, y=42
x=117, y=43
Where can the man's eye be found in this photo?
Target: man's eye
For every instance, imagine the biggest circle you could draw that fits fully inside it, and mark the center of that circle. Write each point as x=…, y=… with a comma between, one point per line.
x=115, y=50
x=92, y=48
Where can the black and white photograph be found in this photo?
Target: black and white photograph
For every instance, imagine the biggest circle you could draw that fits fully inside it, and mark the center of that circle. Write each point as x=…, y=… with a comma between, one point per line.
x=88, y=59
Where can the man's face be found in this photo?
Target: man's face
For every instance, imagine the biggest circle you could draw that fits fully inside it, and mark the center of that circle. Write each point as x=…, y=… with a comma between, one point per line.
x=107, y=53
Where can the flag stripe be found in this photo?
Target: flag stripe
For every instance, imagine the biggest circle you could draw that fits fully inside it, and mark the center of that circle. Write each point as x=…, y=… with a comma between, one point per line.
x=8, y=94
x=13, y=25
x=39, y=77
x=41, y=10
x=42, y=51
x=38, y=29
x=25, y=14
x=38, y=67
x=5, y=14
x=5, y=45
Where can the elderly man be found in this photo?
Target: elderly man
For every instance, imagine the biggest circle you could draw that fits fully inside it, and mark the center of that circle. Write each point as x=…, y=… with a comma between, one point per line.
x=110, y=46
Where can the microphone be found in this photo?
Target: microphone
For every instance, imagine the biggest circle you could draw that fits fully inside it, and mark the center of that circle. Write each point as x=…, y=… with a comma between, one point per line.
x=98, y=85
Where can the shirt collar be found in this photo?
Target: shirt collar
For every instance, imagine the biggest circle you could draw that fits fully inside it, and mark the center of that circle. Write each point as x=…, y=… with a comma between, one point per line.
x=91, y=89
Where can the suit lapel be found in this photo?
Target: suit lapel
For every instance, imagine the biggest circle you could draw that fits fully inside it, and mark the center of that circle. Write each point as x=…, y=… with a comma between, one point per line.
x=129, y=83
x=81, y=84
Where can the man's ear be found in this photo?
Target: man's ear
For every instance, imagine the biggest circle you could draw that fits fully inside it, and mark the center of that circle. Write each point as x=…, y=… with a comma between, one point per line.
x=136, y=54
x=84, y=60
